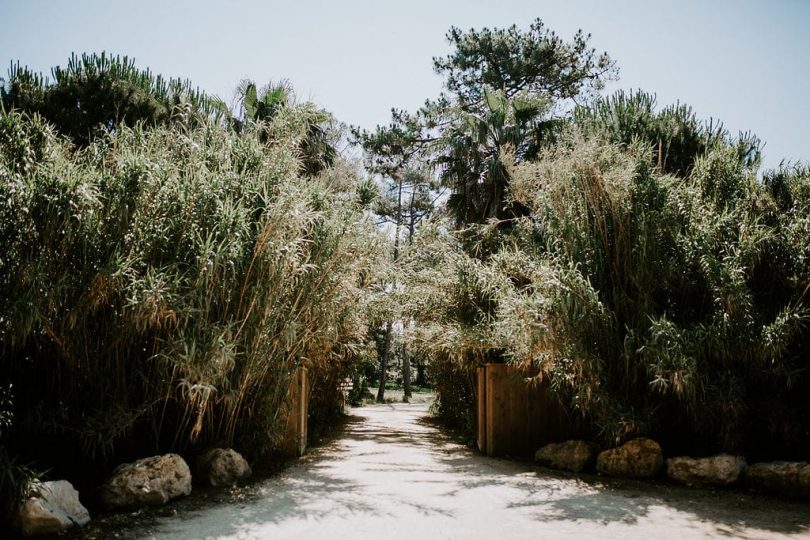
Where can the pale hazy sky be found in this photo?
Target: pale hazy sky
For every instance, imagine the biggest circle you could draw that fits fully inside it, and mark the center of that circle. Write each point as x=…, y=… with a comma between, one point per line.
x=745, y=63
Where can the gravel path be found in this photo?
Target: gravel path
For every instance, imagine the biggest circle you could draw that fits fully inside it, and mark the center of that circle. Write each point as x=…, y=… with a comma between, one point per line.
x=392, y=475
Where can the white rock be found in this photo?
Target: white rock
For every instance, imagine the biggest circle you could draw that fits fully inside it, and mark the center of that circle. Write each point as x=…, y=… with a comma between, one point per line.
x=222, y=467
x=150, y=481
x=51, y=507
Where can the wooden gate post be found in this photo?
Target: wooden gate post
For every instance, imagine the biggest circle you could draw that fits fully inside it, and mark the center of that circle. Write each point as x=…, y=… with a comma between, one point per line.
x=481, y=405
x=294, y=415
x=515, y=417
x=497, y=409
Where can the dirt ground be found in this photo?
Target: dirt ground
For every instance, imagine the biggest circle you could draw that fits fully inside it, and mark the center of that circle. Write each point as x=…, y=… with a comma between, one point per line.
x=390, y=474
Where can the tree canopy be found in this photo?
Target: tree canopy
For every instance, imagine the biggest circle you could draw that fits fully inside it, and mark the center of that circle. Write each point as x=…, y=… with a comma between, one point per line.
x=536, y=61
x=95, y=93
x=507, y=90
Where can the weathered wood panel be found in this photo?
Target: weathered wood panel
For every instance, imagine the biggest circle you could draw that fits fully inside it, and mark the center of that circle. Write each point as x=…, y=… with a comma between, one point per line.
x=481, y=405
x=515, y=415
x=294, y=415
x=499, y=438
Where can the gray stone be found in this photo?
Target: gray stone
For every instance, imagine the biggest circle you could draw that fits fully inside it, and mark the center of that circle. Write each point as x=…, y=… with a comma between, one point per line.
x=222, y=467
x=784, y=477
x=638, y=458
x=150, y=481
x=720, y=470
x=51, y=507
x=569, y=455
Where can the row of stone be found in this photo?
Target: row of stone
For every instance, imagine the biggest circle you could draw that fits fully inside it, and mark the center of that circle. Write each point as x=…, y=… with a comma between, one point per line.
x=53, y=507
x=643, y=458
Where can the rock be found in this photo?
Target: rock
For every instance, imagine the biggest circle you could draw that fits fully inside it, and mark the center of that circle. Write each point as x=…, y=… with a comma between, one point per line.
x=784, y=477
x=720, y=470
x=568, y=455
x=638, y=458
x=149, y=481
x=222, y=467
x=51, y=507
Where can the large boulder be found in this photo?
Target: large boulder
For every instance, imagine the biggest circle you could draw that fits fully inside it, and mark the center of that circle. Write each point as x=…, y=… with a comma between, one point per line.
x=785, y=477
x=568, y=455
x=637, y=458
x=222, y=467
x=51, y=507
x=720, y=470
x=150, y=481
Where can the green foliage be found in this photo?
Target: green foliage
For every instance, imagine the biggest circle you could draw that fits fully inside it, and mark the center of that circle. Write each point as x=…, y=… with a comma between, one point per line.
x=399, y=155
x=364, y=379
x=396, y=155
x=94, y=93
x=513, y=61
x=15, y=480
x=671, y=295
x=273, y=98
x=158, y=287
x=674, y=135
x=479, y=146
x=451, y=297
x=647, y=299
x=14, y=477
x=509, y=91
x=627, y=252
x=454, y=385
x=317, y=148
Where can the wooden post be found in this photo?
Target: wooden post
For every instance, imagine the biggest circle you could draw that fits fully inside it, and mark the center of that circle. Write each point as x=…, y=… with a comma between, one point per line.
x=518, y=421
x=515, y=417
x=481, y=404
x=497, y=409
x=294, y=415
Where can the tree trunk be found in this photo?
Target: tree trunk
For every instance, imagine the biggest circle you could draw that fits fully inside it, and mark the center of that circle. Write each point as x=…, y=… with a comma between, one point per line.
x=389, y=324
x=384, y=363
x=420, y=373
x=406, y=375
x=406, y=360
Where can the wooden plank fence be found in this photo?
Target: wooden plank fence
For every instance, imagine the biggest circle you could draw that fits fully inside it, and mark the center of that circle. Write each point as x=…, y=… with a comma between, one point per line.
x=515, y=416
x=294, y=415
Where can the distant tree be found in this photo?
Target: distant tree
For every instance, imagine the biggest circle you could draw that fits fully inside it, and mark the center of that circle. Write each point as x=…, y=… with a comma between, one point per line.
x=477, y=141
x=515, y=61
x=506, y=88
x=397, y=154
x=259, y=105
x=674, y=134
x=96, y=92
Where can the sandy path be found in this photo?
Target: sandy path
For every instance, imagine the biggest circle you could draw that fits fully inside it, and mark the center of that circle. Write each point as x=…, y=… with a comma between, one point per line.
x=393, y=476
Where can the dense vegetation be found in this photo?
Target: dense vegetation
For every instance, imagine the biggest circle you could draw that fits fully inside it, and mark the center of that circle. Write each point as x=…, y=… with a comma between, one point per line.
x=160, y=282
x=166, y=262
x=636, y=257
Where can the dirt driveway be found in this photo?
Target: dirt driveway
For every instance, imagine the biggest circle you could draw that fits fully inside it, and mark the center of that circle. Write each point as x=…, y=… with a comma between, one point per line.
x=391, y=475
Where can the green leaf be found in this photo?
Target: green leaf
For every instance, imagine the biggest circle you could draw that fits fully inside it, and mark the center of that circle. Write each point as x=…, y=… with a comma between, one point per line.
x=250, y=101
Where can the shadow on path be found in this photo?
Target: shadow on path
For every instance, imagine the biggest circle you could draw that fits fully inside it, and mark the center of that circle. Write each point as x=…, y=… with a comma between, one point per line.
x=392, y=475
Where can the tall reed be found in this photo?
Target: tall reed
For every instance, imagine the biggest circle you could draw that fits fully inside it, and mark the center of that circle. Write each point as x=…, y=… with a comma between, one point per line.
x=158, y=287
x=656, y=304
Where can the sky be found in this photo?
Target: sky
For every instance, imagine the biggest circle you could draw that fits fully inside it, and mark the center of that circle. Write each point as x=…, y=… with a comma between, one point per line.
x=745, y=63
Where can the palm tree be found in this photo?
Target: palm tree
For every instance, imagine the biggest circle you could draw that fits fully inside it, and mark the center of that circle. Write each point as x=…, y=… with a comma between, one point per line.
x=477, y=144
x=262, y=105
